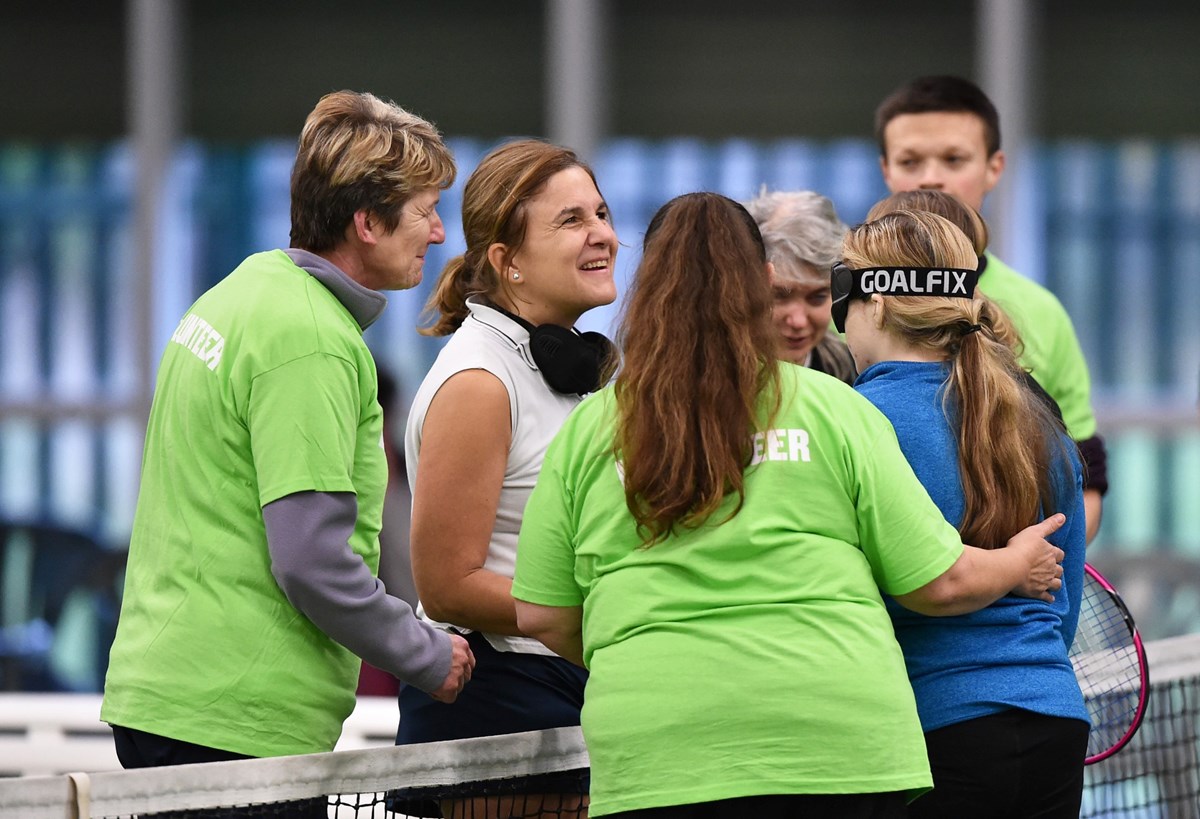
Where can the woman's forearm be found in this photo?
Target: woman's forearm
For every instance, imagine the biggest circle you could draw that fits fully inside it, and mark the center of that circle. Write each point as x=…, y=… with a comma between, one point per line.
x=977, y=579
x=480, y=599
x=1029, y=565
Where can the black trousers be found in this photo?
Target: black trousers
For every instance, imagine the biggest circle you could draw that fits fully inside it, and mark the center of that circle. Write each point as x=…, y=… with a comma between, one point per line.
x=782, y=806
x=139, y=749
x=1014, y=763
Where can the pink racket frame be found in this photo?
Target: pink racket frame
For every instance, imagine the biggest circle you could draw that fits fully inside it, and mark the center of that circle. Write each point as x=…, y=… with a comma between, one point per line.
x=1143, y=670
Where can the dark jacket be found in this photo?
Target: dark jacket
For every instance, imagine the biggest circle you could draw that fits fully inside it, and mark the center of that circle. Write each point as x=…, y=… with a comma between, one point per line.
x=832, y=357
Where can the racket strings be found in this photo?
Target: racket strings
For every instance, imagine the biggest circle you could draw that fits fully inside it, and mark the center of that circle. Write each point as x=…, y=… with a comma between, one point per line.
x=1109, y=666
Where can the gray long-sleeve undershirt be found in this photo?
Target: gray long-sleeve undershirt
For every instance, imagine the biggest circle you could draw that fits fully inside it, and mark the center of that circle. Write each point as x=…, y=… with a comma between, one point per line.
x=308, y=537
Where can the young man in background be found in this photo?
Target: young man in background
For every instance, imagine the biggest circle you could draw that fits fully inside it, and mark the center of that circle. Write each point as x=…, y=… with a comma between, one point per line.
x=943, y=133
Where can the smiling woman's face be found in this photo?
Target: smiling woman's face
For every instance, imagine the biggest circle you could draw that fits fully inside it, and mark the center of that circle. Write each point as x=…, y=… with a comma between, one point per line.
x=564, y=266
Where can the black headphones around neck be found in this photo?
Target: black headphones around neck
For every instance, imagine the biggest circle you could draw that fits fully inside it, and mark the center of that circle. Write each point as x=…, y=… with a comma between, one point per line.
x=571, y=362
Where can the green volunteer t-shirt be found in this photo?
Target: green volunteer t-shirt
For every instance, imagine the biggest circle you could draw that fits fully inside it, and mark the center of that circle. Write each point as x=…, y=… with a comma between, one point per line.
x=1052, y=353
x=266, y=388
x=753, y=656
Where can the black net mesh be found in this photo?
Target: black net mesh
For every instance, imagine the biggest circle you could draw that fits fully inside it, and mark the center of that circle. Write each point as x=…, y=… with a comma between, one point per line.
x=1157, y=775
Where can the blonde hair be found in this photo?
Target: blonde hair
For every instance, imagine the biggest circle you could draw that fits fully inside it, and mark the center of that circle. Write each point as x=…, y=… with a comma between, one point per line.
x=962, y=216
x=494, y=210
x=1009, y=442
x=358, y=152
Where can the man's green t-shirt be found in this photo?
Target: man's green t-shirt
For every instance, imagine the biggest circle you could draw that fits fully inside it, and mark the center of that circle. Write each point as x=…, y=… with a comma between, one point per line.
x=753, y=655
x=266, y=388
x=1051, y=349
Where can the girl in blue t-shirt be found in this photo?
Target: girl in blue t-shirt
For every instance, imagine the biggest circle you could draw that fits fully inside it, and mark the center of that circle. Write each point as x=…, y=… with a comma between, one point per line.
x=1004, y=719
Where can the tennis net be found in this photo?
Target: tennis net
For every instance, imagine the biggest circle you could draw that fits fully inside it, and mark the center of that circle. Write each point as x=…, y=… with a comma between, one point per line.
x=1156, y=776
x=523, y=776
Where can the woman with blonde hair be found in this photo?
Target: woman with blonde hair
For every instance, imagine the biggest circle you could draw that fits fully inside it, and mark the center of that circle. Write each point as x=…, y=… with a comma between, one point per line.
x=1003, y=715
x=251, y=592
x=540, y=249
x=709, y=536
x=1092, y=452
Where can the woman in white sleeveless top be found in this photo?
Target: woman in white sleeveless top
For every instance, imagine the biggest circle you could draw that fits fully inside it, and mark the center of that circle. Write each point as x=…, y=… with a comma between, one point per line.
x=540, y=253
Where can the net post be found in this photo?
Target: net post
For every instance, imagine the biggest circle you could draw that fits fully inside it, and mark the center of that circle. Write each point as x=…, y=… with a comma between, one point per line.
x=79, y=791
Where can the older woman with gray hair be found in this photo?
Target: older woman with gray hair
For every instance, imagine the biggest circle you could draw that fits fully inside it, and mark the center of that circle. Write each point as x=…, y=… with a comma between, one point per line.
x=803, y=236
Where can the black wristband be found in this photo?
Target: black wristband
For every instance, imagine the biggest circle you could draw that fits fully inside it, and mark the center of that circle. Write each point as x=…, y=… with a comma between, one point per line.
x=1094, y=455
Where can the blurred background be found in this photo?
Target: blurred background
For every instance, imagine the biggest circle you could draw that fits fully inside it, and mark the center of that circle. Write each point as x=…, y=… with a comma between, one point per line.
x=145, y=148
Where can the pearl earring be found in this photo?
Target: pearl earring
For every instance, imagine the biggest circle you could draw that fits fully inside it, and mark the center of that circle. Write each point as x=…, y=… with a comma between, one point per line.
x=516, y=275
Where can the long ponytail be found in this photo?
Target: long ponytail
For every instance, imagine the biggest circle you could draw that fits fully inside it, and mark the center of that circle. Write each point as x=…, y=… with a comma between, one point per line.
x=1010, y=443
x=1008, y=440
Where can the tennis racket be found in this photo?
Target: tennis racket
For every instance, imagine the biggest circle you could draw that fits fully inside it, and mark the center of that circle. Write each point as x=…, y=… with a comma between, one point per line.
x=1110, y=664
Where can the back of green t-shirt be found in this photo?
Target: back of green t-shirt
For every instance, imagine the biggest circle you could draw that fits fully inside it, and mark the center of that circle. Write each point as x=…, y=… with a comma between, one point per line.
x=265, y=389
x=754, y=655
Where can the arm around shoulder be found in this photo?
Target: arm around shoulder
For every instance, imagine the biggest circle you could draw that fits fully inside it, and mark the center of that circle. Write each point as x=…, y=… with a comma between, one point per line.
x=1029, y=566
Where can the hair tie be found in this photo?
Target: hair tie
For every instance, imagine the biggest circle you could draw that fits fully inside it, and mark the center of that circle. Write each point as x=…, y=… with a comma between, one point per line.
x=972, y=328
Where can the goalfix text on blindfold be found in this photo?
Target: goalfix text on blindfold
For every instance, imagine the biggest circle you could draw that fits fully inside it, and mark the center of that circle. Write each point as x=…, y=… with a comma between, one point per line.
x=846, y=284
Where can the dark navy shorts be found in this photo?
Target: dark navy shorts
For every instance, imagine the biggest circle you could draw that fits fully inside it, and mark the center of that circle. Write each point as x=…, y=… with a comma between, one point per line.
x=508, y=693
x=140, y=749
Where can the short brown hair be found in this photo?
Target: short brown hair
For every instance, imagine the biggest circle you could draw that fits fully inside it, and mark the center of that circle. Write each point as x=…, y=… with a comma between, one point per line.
x=942, y=93
x=358, y=152
x=947, y=205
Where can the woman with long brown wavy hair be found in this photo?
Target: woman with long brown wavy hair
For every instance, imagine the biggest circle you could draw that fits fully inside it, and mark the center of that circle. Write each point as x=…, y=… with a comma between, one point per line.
x=1005, y=721
x=710, y=536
